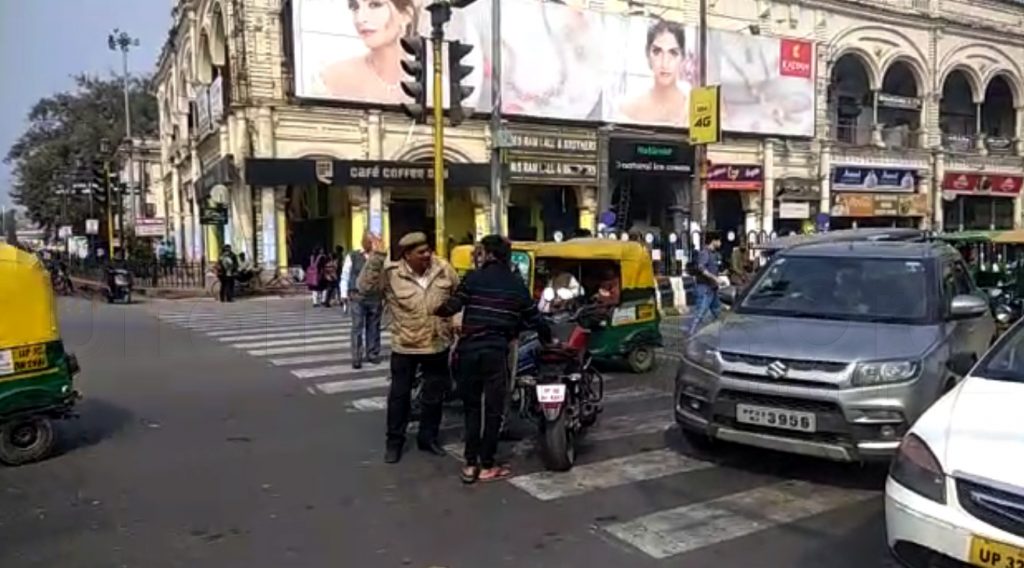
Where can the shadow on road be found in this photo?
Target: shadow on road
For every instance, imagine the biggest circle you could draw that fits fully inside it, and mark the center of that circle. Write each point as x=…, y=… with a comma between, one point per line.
x=98, y=420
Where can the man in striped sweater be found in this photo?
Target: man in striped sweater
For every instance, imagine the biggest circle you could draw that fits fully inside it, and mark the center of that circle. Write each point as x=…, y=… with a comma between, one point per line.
x=496, y=307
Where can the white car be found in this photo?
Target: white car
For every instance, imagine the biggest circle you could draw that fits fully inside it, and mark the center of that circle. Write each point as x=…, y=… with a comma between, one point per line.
x=955, y=493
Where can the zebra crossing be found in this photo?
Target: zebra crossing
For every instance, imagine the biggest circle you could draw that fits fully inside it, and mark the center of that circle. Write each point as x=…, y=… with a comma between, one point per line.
x=625, y=453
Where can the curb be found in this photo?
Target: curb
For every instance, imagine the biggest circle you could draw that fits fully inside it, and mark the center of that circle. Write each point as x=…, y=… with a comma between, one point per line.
x=98, y=288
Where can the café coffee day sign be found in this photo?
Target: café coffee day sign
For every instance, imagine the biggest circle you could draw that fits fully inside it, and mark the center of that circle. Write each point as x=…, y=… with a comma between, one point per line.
x=562, y=62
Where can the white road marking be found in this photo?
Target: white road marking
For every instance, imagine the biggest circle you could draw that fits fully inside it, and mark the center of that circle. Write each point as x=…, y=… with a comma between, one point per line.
x=368, y=404
x=289, y=327
x=269, y=334
x=606, y=429
x=581, y=479
x=252, y=318
x=309, y=359
x=255, y=324
x=683, y=529
x=355, y=385
x=335, y=371
x=339, y=339
x=308, y=348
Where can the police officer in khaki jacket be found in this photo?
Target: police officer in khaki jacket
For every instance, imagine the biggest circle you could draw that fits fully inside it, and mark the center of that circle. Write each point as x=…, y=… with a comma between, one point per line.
x=413, y=287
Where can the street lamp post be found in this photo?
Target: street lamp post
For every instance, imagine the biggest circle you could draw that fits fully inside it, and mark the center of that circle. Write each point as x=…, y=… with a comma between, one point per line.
x=121, y=41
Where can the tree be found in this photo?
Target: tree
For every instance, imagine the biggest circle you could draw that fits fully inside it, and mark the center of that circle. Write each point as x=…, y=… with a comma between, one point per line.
x=62, y=141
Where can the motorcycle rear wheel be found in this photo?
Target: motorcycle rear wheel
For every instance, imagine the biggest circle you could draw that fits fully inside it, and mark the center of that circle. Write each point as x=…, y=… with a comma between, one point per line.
x=557, y=445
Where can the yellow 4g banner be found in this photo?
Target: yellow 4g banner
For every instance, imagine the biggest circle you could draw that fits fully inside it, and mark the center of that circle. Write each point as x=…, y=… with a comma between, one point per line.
x=705, y=117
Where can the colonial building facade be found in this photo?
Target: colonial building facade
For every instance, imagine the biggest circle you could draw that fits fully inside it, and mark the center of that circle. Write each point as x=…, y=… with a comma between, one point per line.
x=912, y=118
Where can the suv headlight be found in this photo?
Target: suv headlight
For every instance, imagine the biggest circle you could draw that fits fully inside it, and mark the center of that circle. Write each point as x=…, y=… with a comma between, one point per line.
x=885, y=373
x=700, y=353
x=917, y=469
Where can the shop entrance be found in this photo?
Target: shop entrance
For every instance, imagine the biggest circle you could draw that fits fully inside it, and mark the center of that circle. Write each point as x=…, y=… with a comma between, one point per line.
x=644, y=205
x=309, y=223
x=407, y=216
x=538, y=212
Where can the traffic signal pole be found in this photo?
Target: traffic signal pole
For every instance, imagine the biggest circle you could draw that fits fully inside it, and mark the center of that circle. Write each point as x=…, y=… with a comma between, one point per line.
x=437, y=45
x=110, y=212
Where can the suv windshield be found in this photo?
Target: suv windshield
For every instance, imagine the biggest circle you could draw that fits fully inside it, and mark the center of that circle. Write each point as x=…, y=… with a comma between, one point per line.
x=842, y=288
x=1005, y=362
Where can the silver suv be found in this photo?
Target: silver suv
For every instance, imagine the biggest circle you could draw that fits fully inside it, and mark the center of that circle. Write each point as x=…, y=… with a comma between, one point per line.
x=834, y=350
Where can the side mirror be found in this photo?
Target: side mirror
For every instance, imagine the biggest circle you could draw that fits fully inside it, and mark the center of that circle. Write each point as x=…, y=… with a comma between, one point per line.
x=967, y=306
x=961, y=364
x=727, y=295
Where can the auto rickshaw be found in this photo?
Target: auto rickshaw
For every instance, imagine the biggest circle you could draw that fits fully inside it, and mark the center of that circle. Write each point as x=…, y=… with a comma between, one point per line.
x=633, y=331
x=35, y=371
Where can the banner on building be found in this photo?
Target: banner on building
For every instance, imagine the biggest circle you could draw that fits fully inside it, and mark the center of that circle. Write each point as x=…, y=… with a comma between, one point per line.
x=564, y=62
x=856, y=178
x=626, y=156
x=147, y=228
x=879, y=205
x=705, y=123
x=981, y=184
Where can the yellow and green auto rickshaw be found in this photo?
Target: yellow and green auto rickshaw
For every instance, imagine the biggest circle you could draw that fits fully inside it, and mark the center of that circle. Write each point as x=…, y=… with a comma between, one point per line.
x=35, y=371
x=626, y=270
x=633, y=332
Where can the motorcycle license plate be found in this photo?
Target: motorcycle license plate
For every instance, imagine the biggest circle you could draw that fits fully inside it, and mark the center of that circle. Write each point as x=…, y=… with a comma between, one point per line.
x=550, y=393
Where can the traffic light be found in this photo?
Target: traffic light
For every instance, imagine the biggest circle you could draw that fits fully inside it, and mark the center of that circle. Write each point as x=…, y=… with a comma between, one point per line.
x=415, y=66
x=457, y=71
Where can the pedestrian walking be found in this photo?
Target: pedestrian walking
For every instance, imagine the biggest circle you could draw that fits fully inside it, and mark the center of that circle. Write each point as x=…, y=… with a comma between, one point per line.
x=330, y=279
x=705, y=290
x=414, y=287
x=314, y=275
x=366, y=308
x=341, y=290
x=495, y=307
x=227, y=271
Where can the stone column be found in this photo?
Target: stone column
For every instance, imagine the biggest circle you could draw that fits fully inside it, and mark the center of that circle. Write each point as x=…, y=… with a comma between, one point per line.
x=281, y=229
x=876, y=127
x=979, y=136
x=768, y=192
x=825, y=179
x=937, y=202
x=924, y=185
x=375, y=204
x=176, y=214
x=1018, y=138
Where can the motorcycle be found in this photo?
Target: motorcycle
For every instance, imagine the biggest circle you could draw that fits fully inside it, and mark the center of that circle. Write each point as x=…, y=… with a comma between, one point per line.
x=1007, y=308
x=557, y=385
x=119, y=285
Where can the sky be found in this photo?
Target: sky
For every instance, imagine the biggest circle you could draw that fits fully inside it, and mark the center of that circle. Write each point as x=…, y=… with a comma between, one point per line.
x=44, y=42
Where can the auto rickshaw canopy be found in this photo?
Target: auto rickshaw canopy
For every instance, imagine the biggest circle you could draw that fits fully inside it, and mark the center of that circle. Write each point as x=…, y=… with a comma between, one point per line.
x=28, y=310
x=635, y=266
x=1014, y=237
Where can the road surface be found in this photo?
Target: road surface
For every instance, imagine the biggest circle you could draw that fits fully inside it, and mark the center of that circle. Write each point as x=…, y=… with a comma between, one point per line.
x=238, y=435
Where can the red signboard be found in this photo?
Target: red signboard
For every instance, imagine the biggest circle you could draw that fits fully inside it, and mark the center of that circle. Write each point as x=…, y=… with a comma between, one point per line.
x=981, y=184
x=795, y=59
x=740, y=177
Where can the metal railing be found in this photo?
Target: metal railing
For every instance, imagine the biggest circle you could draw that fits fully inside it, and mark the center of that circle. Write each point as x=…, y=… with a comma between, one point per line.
x=148, y=273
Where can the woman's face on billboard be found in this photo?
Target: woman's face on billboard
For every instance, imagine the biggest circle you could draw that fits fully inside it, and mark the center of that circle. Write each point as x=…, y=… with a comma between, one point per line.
x=378, y=22
x=665, y=56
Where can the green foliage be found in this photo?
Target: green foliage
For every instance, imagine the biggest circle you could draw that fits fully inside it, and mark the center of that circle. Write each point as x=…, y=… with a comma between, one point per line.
x=63, y=140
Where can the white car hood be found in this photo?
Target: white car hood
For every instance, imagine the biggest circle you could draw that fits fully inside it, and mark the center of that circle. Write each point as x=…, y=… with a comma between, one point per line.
x=977, y=430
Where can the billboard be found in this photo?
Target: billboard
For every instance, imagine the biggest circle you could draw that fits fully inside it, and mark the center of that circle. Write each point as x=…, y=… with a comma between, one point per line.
x=561, y=62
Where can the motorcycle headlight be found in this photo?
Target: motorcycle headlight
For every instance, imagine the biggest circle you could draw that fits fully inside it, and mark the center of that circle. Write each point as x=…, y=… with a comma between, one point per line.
x=885, y=373
x=1004, y=314
x=700, y=353
x=917, y=469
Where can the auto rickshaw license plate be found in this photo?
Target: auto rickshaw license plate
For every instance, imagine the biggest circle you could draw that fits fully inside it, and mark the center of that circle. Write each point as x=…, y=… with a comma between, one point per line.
x=990, y=554
x=23, y=359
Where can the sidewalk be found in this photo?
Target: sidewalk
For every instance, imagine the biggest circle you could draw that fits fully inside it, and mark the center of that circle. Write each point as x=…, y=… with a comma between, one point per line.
x=96, y=288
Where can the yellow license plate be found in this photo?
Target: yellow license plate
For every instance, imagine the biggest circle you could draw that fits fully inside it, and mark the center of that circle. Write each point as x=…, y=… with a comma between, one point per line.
x=31, y=358
x=990, y=554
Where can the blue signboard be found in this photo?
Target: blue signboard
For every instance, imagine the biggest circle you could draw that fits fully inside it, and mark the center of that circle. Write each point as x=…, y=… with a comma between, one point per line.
x=850, y=178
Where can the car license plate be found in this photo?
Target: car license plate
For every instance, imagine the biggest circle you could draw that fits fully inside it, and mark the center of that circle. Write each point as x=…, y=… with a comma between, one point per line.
x=990, y=554
x=776, y=418
x=550, y=393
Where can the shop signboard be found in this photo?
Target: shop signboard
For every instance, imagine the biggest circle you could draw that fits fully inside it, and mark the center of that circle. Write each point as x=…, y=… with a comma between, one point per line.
x=856, y=178
x=552, y=157
x=150, y=227
x=649, y=157
x=899, y=102
x=213, y=215
x=268, y=172
x=794, y=210
x=879, y=205
x=705, y=121
x=738, y=177
x=565, y=62
x=981, y=184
